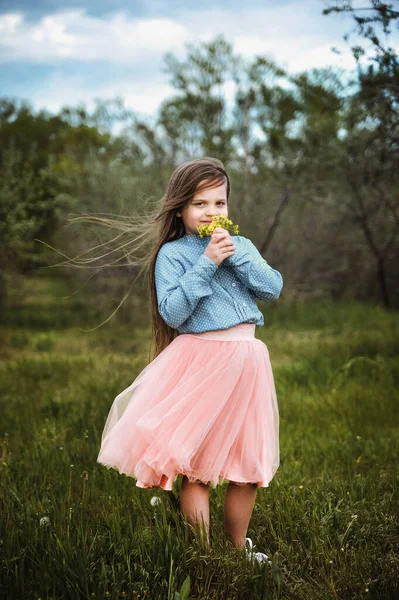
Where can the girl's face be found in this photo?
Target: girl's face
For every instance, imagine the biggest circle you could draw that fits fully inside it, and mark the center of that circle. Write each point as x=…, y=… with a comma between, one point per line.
x=204, y=205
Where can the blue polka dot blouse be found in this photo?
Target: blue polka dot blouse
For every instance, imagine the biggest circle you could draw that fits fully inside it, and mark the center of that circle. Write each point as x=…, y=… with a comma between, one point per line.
x=195, y=294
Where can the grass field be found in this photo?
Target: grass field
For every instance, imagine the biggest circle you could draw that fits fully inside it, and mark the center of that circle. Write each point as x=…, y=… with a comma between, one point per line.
x=72, y=529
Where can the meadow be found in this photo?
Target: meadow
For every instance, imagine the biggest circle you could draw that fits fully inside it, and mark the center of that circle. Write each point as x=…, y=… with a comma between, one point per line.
x=71, y=529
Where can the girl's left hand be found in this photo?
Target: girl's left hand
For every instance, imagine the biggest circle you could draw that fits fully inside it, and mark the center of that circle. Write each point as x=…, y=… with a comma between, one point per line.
x=219, y=233
x=221, y=245
x=224, y=240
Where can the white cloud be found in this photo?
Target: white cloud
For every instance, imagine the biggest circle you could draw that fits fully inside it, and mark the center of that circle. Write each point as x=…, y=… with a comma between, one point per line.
x=77, y=36
x=285, y=33
x=9, y=23
x=321, y=56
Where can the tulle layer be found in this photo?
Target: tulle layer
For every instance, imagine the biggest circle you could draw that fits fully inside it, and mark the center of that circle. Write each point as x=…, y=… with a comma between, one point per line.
x=205, y=407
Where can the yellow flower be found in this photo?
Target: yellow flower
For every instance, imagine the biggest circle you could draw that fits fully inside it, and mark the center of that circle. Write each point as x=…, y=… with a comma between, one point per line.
x=217, y=221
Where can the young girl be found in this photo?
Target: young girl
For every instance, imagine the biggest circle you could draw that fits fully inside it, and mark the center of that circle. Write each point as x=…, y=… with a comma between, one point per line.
x=205, y=406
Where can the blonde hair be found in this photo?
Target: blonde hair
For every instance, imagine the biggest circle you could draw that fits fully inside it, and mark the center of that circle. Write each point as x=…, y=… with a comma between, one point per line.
x=156, y=229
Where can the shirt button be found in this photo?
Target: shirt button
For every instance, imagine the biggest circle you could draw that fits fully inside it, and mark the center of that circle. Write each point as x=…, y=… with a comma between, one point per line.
x=233, y=284
x=243, y=304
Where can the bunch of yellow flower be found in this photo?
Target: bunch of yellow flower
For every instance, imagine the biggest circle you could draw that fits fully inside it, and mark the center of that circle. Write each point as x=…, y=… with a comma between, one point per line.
x=217, y=221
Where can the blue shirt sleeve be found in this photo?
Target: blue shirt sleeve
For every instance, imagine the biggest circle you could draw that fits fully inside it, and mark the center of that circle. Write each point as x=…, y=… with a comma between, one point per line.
x=254, y=272
x=179, y=290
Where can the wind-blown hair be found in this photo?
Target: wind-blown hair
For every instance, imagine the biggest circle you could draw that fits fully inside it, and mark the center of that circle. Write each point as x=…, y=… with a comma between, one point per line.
x=160, y=227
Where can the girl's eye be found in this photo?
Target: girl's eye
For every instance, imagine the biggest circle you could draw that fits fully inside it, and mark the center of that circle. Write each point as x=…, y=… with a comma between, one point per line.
x=220, y=202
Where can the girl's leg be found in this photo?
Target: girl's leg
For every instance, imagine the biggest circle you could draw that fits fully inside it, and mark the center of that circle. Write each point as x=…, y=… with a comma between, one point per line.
x=194, y=503
x=239, y=501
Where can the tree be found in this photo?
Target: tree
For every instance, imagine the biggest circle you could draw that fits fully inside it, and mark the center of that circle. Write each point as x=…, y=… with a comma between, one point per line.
x=370, y=167
x=201, y=103
x=43, y=168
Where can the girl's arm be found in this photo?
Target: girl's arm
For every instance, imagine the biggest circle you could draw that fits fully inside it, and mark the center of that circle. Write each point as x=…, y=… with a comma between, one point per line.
x=179, y=291
x=254, y=272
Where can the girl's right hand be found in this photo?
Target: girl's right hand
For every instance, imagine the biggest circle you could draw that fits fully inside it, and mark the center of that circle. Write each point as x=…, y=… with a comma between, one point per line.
x=220, y=246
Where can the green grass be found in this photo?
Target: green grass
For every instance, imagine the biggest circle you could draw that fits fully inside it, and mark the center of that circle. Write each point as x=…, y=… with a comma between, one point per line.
x=329, y=518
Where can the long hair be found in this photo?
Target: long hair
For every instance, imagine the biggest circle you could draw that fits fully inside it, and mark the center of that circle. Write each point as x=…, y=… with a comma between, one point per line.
x=160, y=227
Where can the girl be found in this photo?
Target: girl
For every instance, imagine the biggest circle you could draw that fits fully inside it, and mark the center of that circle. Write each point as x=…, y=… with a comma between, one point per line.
x=205, y=407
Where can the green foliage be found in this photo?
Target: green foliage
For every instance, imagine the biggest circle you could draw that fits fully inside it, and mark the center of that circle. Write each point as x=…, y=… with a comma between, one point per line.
x=201, y=103
x=372, y=125
x=28, y=208
x=70, y=527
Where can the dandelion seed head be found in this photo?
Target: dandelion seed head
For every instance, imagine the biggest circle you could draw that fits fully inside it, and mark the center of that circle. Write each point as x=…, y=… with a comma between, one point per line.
x=44, y=521
x=155, y=500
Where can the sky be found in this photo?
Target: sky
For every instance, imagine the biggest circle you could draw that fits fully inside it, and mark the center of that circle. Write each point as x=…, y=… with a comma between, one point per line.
x=56, y=54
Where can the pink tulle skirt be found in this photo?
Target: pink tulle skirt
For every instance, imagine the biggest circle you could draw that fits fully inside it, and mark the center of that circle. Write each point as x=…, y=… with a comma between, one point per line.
x=205, y=407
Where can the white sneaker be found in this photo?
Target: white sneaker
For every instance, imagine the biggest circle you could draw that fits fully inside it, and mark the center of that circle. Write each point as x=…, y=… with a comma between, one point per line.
x=258, y=556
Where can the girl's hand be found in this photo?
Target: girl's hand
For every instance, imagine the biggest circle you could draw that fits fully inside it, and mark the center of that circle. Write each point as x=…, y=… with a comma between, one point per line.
x=221, y=245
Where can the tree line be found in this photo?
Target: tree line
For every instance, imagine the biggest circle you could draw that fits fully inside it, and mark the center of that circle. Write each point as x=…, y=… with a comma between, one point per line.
x=313, y=159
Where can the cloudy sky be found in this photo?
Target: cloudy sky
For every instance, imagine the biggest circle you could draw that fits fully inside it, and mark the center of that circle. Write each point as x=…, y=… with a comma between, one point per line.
x=55, y=53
